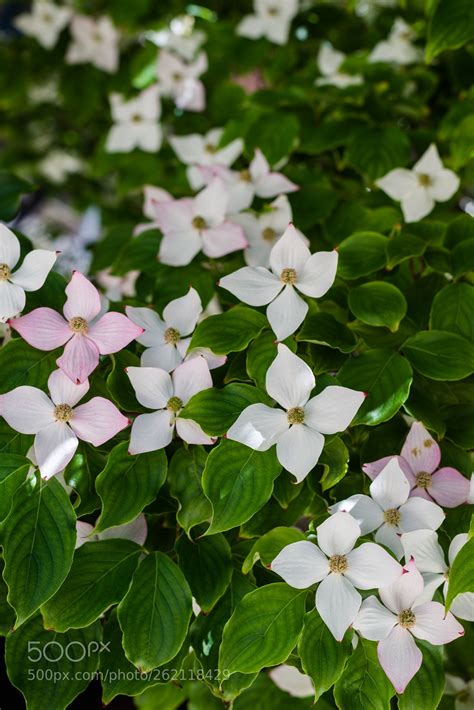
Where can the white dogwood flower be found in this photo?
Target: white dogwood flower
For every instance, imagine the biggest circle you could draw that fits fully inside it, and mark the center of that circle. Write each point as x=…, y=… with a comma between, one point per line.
x=293, y=269
x=30, y=276
x=190, y=225
x=418, y=189
x=45, y=22
x=136, y=531
x=167, y=394
x=340, y=568
x=389, y=511
x=398, y=47
x=135, y=122
x=298, y=429
x=329, y=62
x=203, y=150
x=181, y=37
x=167, y=339
x=428, y=554
x=271, y=19
x=462, y=690
x=403, y=617
x=180, y=81
x=58, y=164
x=94, y=42
x=292, y=681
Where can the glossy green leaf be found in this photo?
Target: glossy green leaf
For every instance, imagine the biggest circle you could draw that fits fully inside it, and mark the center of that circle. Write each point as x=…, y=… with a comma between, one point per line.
x=426, y=687
x=13, y=471
x=229, y=332
x=20, y=364
x=324, y=329
x=386, y=377
x=260, y=355
x=154, y=614
x=128, y=483
x=363, y=684
x=451, y=25
x=99, y=577
x=440, y=355
x=263, y=629
x=360, y=254
x=238, y=481
x=267, y=547
x=452, y=310
x=184, y=481
x=39, y=535
x=375, y=151
x=461, y=575
x=335, y=461
x=378, y=303
x=403, y=247
x=207, y=565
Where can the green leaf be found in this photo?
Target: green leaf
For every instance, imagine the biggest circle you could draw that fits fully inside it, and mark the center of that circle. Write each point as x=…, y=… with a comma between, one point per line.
x=119, y=384
x=463, y=258
x=451, y=26
x=207, y=565
x=363, y=684
x=39, y=535
x=263, y=629
x=361, y=254
x=99, y=577
x=7, y=614
x=386, y=376
x=267, y=547
x=127, y=484
x=426, y=687
x=229, y=332
x=21, y=364
x=216, y=410
x=402, y=247
x=139, y=253
x=154, y=615
x=238, y=481
x=13, y=471
x=460, y=423
x=184, y=481
x=375, y=151
x=324, y=329
x=52, y=669
x=260, y=355
x=275, y=134
x=322, y=657
x=440, y=355
x=461, y=575
x=378, y=303
x=161, y=697
x=452, y=310
x=335, y=461
x=11, y=190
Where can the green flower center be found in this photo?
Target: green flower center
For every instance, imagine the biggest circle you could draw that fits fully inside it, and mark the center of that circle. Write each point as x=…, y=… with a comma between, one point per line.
x=5, y=272
x=172, y=336
x=423, y=480
x=177, y=76
x=338, y=564
x=288, y=276
x=210, y=148
x=199, y=223
x=425, y=180
x=392, y=516
x=62, y=413
x=295, y=415
x=136, y=118
x=174, y=404
x=78, y=324
x=269, y=235
x=245, y=176
x=406, y=619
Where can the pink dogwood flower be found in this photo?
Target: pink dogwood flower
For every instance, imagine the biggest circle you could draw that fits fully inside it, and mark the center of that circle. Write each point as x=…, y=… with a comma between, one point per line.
x=389, y=511
x=340, y=568
x=180, y=81
x=84, y=337
x=190, y=225
x=167, y=395
x=402, y=619
x=419, y=461
x=57, y=423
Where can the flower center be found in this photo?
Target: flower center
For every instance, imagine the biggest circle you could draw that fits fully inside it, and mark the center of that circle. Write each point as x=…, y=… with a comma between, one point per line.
x=269, y=235
x=172, y=336
x=136, y=118
x=406, y=619
x=272, y=11
x=288, y=276
x=245, y=176
x=425, y=180
x=4, y=272
x=199, y=223
x=174, y=404
x=423, y=480
x=78, y=324
x=62, y=413
x=177, y=76
x=97, y=37
x=210, y=148
x=338, y=564
x=392, y=516
x=295, y=415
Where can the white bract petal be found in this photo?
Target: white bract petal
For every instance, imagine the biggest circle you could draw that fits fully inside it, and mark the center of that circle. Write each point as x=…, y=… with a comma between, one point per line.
x=301, y=564
x=338, y=534
x=289, y=380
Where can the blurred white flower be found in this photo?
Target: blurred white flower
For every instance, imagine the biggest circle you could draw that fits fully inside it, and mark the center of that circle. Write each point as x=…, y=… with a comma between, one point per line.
x=45, y=22
x=203, y=150
x=329, y=62
x=135, y=122
x=95, y=42
x=58, y=164
x=272, y=19
x=398, y=47
x=292, y=681
x=180, y=81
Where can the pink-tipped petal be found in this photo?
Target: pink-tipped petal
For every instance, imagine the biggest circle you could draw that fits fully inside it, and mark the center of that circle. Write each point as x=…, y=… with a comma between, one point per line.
x=64, y=391
x=55, y=446
x=191, y=432
x=374, y=621
x=113, y=332
x=97, y=421
x=406, y=589
x=9, y=247
x=191, y=377
x=27, y=409
x=373, y=468
x=421, y=450
x=35, y=267
x=400, y=657
x=370, y=567
x=333, y=409
x=432, y=624
x=338, y=534
x=449, y=488
x=83, y=298
x=43, y=328
x=79, y=359
x=223, y=239
x=151, y=432
x=391, y=487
